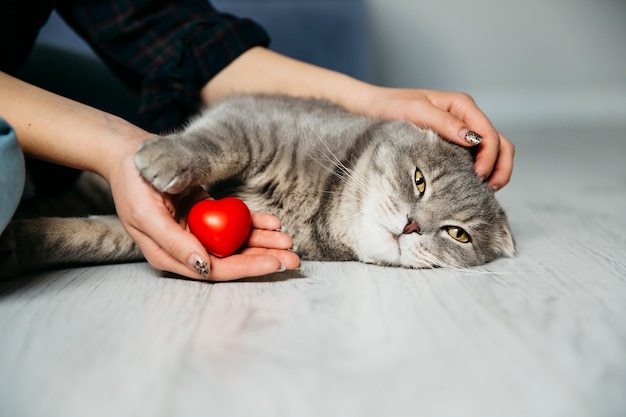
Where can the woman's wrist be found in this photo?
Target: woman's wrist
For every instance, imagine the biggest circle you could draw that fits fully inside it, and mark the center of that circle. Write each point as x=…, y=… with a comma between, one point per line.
x=66, y=132
x=121, y=140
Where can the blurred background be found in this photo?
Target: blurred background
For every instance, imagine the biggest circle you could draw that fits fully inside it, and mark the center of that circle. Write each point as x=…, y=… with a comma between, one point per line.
x=535, y=62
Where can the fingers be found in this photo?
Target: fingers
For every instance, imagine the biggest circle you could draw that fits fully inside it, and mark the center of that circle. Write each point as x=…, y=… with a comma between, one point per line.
x=179, y=252
x=270, y=239
x=487, y=156
x=253, y=262
x=265, y=221
x=476, y=120
x=169, y=247
x=501, y=174
x=148, y=217
x=266, y=252
x=444, y=112
x=457, y=118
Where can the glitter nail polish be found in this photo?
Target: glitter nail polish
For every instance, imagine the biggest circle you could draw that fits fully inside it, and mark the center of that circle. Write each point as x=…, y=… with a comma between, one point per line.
x=199, y=265
x=471, y=137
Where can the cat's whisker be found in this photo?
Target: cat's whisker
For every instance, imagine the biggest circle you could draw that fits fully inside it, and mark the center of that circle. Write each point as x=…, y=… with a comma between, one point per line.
x=388, y=208
x=431, y=260
x=438, y=263
x=351, y=197
x=332, y=158
x=345, y=174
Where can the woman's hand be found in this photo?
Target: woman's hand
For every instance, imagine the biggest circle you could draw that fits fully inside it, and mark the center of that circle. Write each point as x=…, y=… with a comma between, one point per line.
x=149, y=217
x=452, y=115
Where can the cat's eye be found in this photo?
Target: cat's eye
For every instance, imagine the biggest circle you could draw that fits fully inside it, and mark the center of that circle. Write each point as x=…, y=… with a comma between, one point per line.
x=420, y=182
x=458, y=234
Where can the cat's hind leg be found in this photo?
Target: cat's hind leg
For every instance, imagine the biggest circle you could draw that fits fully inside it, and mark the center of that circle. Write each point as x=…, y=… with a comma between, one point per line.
x=45, y=243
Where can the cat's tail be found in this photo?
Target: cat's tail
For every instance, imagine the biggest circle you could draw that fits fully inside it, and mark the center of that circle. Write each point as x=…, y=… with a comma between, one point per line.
x=29, y=245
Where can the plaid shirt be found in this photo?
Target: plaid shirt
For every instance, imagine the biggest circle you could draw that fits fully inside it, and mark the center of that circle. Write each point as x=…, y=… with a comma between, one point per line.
x=165, y=50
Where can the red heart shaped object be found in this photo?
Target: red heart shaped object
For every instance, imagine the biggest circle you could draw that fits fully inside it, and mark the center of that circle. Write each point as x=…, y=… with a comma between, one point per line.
x=222, y=226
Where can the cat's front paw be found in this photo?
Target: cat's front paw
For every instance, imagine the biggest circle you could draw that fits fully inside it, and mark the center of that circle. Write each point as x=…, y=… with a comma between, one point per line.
x=166, y=164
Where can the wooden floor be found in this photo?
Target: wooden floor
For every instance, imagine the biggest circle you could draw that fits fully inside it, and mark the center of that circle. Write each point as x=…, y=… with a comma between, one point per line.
x=542, y=334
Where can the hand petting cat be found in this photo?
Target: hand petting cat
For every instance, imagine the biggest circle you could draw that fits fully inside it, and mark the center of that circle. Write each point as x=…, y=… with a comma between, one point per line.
x=452, y=115
x=456, y=117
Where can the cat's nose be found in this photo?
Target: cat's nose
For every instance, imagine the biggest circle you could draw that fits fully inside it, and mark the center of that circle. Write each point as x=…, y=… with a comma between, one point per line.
x=411, y=227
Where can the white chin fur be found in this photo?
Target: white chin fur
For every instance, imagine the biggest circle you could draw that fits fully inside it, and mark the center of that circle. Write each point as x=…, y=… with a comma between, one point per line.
x=379, y=246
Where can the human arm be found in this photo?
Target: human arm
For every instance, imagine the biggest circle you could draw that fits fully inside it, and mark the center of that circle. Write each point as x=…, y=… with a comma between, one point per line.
x=65, y=132
x=260, y=70
x=222, y=55
x=161, y=50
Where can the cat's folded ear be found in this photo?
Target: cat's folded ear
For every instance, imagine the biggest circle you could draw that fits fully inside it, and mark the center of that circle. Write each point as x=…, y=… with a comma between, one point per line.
x=508, y=244
x=506, y=240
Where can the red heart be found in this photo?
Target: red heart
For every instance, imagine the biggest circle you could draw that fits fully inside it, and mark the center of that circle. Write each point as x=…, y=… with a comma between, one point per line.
x=222, y=226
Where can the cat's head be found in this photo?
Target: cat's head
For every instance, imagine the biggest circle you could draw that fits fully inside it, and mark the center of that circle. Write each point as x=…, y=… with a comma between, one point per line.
x=422, y=205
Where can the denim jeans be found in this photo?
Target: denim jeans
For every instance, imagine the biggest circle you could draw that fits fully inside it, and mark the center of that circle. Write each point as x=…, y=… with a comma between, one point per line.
x=12, y=173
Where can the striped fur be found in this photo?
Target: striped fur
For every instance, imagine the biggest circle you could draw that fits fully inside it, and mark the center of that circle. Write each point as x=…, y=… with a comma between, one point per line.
x=343, y=185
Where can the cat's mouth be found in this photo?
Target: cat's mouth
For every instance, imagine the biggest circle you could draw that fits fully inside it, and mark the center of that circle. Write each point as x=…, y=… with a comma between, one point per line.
x=396, y=240
x=395, y=235
x=412, y=226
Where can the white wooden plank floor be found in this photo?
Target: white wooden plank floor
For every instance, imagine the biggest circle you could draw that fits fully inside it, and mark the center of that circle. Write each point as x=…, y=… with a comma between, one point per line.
x=542, y=334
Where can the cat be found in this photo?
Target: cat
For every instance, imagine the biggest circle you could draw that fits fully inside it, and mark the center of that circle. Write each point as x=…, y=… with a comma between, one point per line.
x=346, y=187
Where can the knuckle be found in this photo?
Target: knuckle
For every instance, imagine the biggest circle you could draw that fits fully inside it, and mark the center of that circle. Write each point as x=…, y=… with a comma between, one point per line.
x=155, y=262
x=464, y=97
x=174, y=246
x=135, y=219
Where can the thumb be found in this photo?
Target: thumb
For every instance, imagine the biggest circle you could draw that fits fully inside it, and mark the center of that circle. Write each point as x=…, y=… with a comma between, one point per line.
x=449, y=127
x=167, y=246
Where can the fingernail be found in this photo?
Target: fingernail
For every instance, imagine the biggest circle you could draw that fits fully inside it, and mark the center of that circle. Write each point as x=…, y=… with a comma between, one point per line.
x=199, y=265
x=495, y=188
x=470, y=137
x=294, y=248
x=282, y=268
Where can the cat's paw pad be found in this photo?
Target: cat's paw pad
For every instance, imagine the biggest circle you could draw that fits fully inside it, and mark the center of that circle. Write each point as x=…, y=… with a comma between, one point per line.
x=165, y=163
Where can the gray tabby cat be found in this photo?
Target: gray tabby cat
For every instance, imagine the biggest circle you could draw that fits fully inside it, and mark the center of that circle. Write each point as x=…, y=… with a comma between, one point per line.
x=346, y=187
